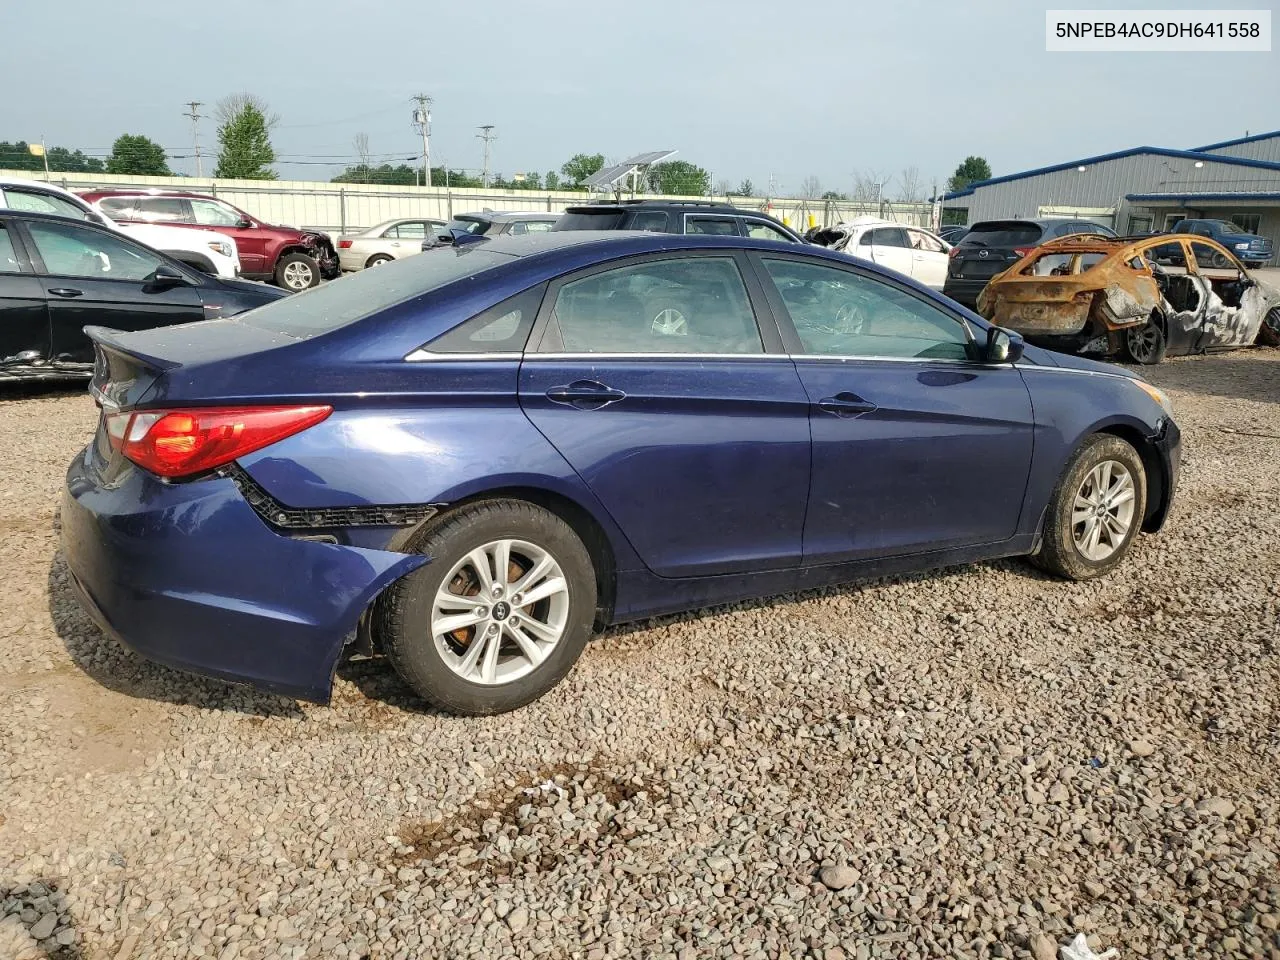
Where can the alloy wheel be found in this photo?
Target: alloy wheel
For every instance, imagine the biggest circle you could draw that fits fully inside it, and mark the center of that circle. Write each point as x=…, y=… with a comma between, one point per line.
x=297, y=276
x=500, y=612
x=1102, y=513
x=1143, y=342
x=670, y=322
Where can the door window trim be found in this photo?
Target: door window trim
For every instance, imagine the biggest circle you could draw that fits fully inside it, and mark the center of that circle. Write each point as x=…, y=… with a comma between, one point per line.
x=766, y=323
x=795, y=347
x=21, y=248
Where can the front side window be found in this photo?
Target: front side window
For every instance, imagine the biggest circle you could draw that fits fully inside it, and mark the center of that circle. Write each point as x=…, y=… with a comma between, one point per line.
x=539, y=226
x=35, y=202
x=8, y=256
x=210, y=213
x=839, y=313
x=683, y=305
x=72, y=251
x=163, y=210
x=923, y=241
x=764, y=231
x=1208, y=257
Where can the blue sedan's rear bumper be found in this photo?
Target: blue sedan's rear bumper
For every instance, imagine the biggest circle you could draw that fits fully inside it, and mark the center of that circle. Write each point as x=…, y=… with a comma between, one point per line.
x=188, y=575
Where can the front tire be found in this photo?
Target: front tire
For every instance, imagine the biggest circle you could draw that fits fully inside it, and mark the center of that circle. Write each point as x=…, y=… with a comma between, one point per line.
x=1146, y=344
x=500, y=614
x=1096, y=510
x=297, y=272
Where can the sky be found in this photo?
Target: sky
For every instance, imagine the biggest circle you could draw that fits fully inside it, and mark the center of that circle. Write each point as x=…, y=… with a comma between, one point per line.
x=748, y=89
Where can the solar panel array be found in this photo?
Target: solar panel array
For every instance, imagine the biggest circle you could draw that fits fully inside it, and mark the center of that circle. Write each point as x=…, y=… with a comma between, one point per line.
x=607, y=177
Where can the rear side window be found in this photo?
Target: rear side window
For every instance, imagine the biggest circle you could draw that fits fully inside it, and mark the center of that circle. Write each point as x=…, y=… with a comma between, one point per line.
x=476, y=227
x=653, y=221
x=711, y=225
x=333, y=305
x=118, y=208
x=604, y=220
x=1003, y=235
x=502, y=328
x=8, y=256
x=679, y=305
x=164, y=210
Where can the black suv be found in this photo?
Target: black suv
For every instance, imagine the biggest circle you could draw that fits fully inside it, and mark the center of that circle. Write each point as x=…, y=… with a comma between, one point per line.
x=992, y=246
x=676, y=216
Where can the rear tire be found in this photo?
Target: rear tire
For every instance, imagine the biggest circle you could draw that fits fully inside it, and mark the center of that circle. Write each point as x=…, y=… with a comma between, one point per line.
x=378, y=260
x=1103, y=489
x=456, y=629
x=297, y=272
x=1146, y=344
x=1269, y=330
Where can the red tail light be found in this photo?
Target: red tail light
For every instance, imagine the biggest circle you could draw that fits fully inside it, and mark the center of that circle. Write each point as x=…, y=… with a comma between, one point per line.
x=178, y=443
x=344, y=244
x=1022, y=251
x=953, y=251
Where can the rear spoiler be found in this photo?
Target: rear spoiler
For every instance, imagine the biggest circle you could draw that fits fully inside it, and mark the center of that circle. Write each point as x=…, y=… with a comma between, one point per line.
x=122, y=375
x=107, y=340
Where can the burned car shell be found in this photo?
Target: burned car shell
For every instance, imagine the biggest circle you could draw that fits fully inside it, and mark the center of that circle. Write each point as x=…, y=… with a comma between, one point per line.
x=1082, y=293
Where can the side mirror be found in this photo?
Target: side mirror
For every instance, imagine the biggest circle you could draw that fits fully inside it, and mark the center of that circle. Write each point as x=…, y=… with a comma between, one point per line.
x=1003, y=346
x=244, y=223
x=164, y=277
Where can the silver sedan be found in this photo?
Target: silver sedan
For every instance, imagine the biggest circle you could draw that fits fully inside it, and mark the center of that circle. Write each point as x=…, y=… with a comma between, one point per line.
x=390, y=240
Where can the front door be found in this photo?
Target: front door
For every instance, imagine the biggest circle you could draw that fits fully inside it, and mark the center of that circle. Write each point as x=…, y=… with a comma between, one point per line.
x=928, y=259
x=888, y=247
x=916, y=447
x=95, y=276
x=251, y=243
x=653, y=380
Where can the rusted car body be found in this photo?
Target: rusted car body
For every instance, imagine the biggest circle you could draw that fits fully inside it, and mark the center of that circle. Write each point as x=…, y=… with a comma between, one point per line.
x=1100, y=295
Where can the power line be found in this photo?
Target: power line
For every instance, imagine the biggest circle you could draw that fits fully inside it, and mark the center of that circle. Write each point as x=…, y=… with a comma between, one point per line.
x=194, y=114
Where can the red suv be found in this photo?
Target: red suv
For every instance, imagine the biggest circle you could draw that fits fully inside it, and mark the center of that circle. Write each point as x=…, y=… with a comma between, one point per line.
x=290, y=258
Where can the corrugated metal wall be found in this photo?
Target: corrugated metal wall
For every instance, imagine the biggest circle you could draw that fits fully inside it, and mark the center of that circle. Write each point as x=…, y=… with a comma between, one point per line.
x=1105, y=184
x=1267, y=149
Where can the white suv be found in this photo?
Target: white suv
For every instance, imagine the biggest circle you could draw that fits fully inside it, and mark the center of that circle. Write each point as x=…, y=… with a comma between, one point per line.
x=204, y=250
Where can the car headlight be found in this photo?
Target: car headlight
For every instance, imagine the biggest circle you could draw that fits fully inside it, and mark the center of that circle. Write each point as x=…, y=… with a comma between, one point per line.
x=1242, y=246
x=221, y=246
x=1156, y=394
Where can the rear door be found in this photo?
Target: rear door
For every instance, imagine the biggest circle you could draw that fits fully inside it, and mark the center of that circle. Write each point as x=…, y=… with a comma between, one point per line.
x=655, y=382
x=916, y=447
x=928, y=258
x=24, y=318
x=888, y=247
x=99, y=277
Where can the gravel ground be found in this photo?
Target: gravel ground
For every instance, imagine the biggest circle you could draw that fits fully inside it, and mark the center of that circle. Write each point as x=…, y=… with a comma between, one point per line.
x=981, y=762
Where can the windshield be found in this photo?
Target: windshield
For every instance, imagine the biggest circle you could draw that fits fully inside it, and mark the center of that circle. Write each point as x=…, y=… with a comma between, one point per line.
x=476, y=227
x=340, y=302
x=1224, y=226
x=584, y=220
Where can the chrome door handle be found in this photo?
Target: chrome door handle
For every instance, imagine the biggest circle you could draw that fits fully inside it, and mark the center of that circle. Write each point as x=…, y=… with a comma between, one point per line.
x=66, y=292
x=585, y=394
x=845, y=405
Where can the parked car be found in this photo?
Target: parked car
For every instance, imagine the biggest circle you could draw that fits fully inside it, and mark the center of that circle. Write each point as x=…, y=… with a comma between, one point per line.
x=389, y=240
x=676, y=216
x=286, y=256
x=1108, y=296
x=952, y=232
x=1254, y=250
x=203, y=250
x=59, y=275
x=469, y=460
x=991, y=246
x=912, y=251
x=469, y=227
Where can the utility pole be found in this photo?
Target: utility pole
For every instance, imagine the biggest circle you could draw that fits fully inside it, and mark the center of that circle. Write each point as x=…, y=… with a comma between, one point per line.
x=422, y=118
x=486, y=134
x=194, y=114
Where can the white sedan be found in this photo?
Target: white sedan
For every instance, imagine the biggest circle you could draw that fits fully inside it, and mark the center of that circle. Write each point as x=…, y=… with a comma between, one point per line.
x=912, y=251
x=389, y=240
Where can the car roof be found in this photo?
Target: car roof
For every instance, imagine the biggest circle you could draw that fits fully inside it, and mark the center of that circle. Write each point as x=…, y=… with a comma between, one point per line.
x=59, y=218
x=505, y=216
x=144, y=192
x=623, y=243
x=711, y=206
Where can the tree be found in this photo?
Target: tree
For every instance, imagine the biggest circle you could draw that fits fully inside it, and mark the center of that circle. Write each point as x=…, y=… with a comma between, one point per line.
x=811, y=187
x=138, y=156
x=971, y=171
x=834, y=195
x=361, y=145
x=552, y=180
x=868, y=186
x=746, y=189
x=244, y=134
x=580, y=166
x=18, y=156
x=909, y=188
x=679, y=178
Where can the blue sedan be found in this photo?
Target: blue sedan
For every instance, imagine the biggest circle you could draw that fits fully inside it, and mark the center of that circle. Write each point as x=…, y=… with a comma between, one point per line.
x=469, y=461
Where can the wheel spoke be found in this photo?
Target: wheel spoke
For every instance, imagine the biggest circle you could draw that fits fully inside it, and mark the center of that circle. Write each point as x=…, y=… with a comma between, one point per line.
x=535, y=573
x=1116, y=530
x=455, y=601
x=479, y=560
x=548, y=587
x=501, y=562
x=528, y=645
x=489, y=668
x=477, y=647
x=444, y=625
x=543, y=631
